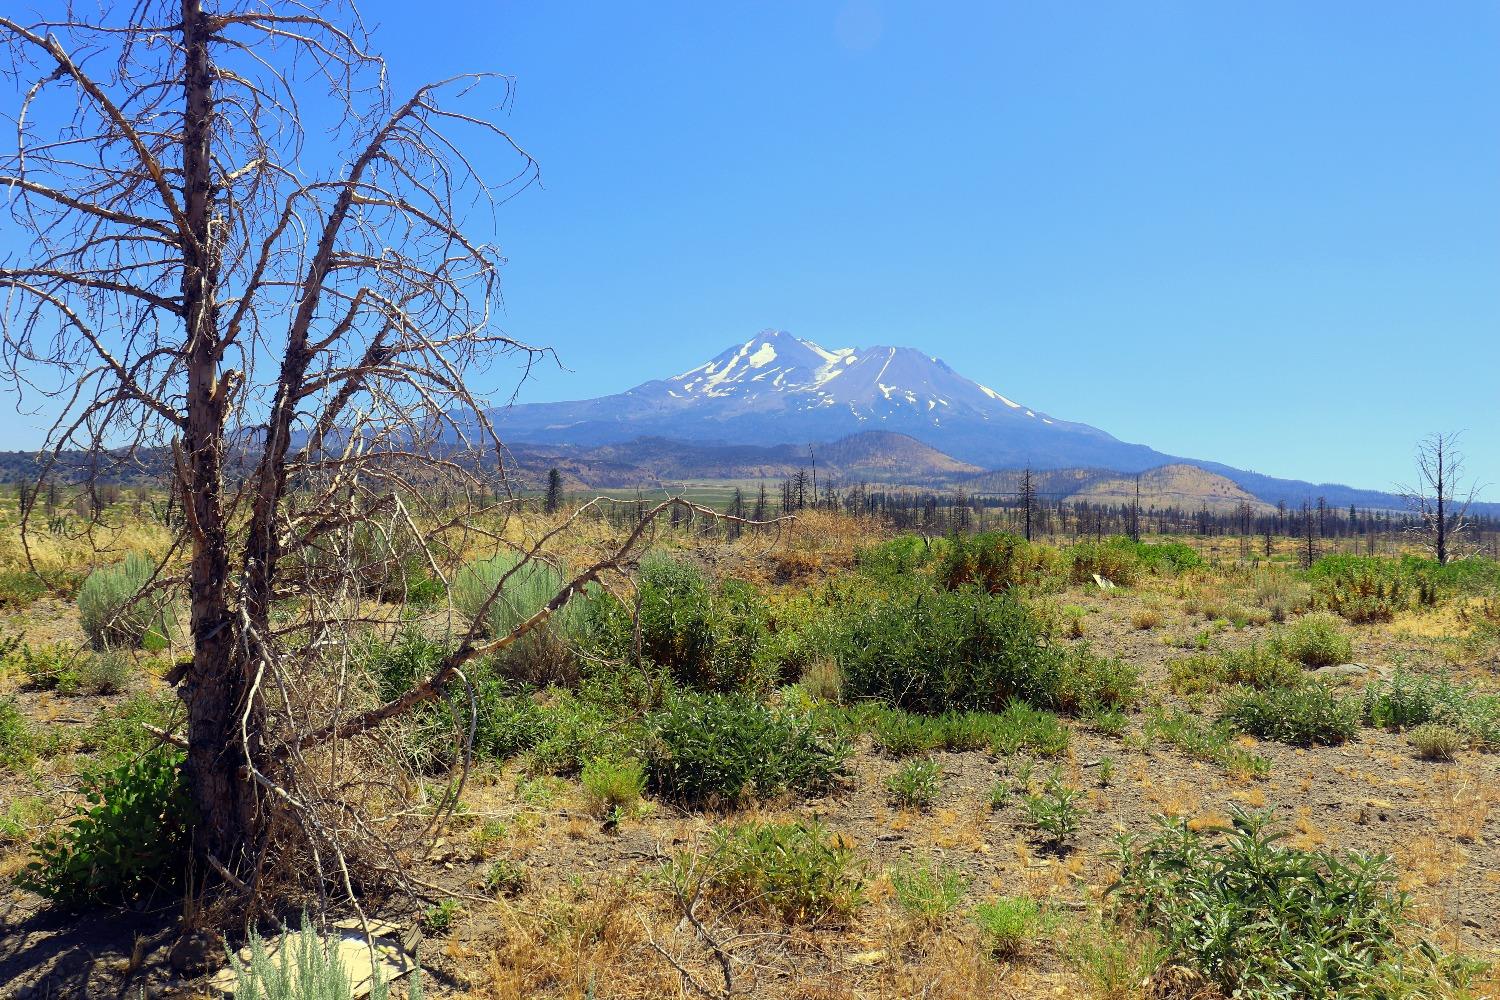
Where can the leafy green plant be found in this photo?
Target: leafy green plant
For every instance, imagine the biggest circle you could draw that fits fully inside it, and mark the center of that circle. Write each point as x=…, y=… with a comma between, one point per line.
x=1009, y=924
x=1316, y=640
x=506, y=877
x=129, y=840
x=439, y=918
x=310, y=968
x=721, y=748
x=1259, y=919
x=927, y=891
x=1305, y=716
x=915, y=784
x=1054, y=812
x=794, y=870
x=613, y=786
x=114, y=608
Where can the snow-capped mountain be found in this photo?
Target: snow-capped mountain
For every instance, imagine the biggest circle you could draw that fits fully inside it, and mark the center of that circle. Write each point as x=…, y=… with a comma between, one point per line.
x=777, y=388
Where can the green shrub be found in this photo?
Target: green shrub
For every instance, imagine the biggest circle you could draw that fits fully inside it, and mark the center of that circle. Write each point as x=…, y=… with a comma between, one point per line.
x=1008, y=924
x=994, y=562
x=706, y=748
x=112, y=609
x=1261, y=666
x=574, y=730
x=1410, y=700
x=1114, y=562
x=17, y=740
x=926, y=891
x=20, y=588
x=613, y=786
x=130, y=840
x=1364, y=595
x=964, y=650
x=915, y=784
x=108, y=672
x=546, y=654
x=1197, y=674
x=898, y=557
x=1258, y=919
x=1161, y=558
x=1305, y=716
x=793, y=870
x=310, y=969
x=1256, y=666
x=1316, y=640
x=709, y=638
x=1435, y=741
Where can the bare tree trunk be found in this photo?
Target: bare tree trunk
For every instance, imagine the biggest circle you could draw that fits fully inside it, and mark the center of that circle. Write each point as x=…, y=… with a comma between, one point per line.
x=214, y=688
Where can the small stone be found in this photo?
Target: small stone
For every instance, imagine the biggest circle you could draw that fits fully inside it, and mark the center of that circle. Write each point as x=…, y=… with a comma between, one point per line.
x=1342, y=670
x=192, y=954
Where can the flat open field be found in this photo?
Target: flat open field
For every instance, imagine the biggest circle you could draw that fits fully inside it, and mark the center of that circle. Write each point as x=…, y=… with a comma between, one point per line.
x=853, y=765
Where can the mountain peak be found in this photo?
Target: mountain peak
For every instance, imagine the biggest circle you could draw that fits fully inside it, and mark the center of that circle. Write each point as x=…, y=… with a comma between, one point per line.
x=778, y=386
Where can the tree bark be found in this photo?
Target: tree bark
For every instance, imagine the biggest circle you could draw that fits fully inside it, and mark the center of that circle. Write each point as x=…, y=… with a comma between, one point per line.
x=215, y=686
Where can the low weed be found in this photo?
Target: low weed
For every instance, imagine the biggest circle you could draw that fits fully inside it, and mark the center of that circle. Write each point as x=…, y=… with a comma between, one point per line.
x=793, y=870
x=1010, y=925
x=926, y=891
x=1205, y=741
x=1054, y=812
x=613, y=787
x=915, y=784
x=1407, y=700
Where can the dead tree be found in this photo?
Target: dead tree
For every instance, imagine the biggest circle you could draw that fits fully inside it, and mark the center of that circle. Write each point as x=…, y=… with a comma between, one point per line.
x=1440, y=500
x=297, y=325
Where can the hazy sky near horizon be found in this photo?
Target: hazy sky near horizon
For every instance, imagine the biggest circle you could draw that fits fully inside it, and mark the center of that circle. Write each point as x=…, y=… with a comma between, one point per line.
x=1267, y=235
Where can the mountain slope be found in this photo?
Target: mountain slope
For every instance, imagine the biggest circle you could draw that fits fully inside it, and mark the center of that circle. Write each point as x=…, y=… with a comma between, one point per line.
x=874, y=456
x=777, y=387
x=1180, y=485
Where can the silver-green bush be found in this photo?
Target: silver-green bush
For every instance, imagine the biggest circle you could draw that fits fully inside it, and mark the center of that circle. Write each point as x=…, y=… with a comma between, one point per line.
x=113, y=610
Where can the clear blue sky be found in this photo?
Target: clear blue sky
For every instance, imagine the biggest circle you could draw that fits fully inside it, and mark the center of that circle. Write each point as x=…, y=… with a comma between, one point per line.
x=1266, y=234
